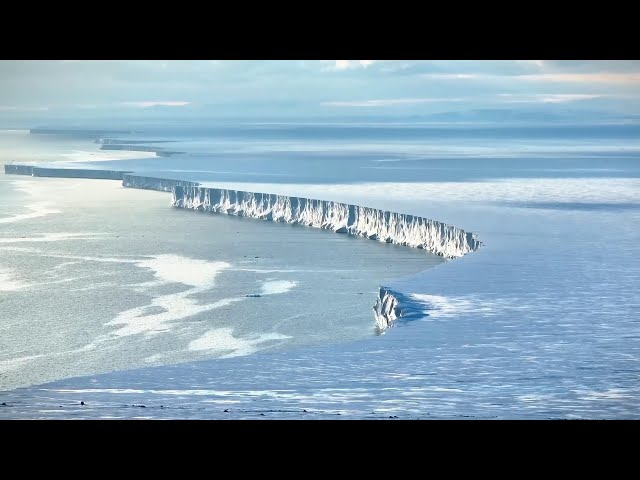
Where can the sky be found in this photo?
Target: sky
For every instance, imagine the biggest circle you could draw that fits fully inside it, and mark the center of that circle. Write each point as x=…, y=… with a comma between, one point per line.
x=315, y=87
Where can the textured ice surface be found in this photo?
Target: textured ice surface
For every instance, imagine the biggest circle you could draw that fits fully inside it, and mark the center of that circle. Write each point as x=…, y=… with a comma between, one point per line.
x=541, y=322
x=222, y=340
x=8, y=282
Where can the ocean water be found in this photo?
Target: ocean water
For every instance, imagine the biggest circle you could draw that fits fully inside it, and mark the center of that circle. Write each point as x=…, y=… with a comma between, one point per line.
x=541, y=322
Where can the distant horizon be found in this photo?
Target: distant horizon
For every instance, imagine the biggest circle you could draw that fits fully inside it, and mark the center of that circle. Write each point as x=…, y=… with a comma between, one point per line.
x=49, y=91
x=476, y=117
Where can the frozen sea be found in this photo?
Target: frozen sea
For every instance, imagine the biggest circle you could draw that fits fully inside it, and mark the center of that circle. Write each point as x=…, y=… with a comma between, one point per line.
x=95, y=277
x=542, y=322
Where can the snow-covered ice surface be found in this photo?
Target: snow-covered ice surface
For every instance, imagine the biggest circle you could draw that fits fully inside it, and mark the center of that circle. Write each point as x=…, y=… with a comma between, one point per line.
x=543, y=321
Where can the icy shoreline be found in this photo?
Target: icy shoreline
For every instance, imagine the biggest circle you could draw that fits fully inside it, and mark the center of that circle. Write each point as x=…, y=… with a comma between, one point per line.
x=402, y=229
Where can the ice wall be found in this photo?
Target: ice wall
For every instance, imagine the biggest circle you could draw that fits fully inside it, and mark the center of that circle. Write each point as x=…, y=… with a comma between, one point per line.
x=34, y=171
x=386, y=309
x=13, y=169
x=154, y=183
x=77, y=173
x=398, y=228
x=391, y=305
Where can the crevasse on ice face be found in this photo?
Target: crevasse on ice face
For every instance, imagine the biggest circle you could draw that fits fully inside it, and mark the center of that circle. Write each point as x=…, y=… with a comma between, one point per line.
x=398, y=228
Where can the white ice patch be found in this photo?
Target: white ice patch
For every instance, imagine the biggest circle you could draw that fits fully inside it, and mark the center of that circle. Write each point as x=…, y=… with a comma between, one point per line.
x=83, y=156
x=189, y=271
x=153, y=358
x=36, y=210
x=222, y=340
x=175, y=307
x=15, y=363
x=8, y=282
x=611, y=394
x=277, y=286
x=291, y=270
x=166, y=268
x=438, y=306
x=30, y=187
x=64, y=265
x=96, y=390
x=52, y=237
x=20, y=249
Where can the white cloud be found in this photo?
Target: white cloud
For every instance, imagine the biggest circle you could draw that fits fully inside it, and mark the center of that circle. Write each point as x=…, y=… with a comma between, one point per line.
x=395, y=66
x=351, y=64
x=614, y=78
x=155, y=104
x=568, y=97
x=14, y=108
x=548, y=98
x=562, y=97
x=389, y=102
x=450, y=76
x=536, y=63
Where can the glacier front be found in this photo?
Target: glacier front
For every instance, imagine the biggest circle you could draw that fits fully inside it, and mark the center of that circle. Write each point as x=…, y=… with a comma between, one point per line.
x=397, y=228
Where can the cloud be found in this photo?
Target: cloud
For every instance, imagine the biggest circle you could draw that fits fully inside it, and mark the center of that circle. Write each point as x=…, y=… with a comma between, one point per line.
x=389, y=102
x=351, y=64
x=549, y=98
x=17, y=108
x=613, y=78
x=535, y=63
x=450, y=76
x=155, y=104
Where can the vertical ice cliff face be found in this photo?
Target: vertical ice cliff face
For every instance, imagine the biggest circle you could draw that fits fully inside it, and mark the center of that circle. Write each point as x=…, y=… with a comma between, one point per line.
x=35, y=171
x=398, y=228
x=386, y=310
x=154, y=183
x=14, y=169
x=392, y=305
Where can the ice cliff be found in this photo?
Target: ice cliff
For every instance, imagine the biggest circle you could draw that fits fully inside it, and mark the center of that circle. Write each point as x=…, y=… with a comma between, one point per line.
x=154, y=183
x=386, y=309
x=35, y=171
x=391, y=305
x=398, y=228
